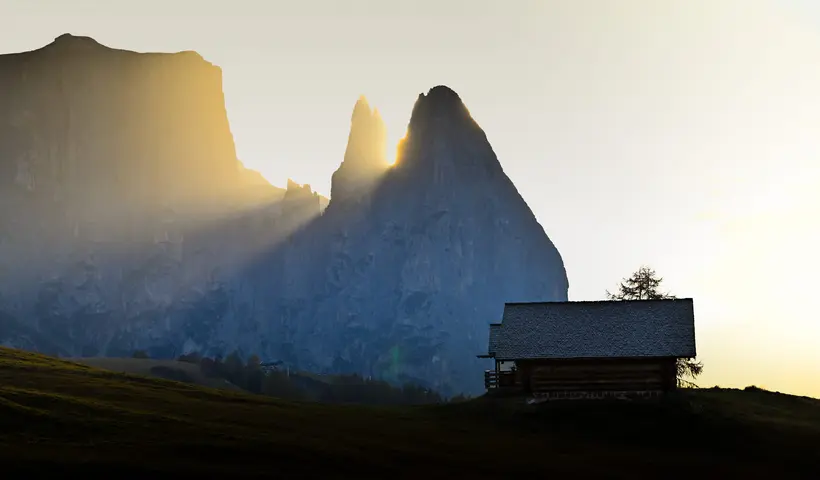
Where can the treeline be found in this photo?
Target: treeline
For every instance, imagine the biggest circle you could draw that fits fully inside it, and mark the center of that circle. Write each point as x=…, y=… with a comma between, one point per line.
x=251, y=376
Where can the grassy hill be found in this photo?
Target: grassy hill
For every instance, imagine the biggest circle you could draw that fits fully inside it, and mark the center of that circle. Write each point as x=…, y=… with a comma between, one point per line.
x=58, y=416
x=167, y=369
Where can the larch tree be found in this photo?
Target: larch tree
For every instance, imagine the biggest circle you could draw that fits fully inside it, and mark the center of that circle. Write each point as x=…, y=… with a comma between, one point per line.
x=645, y=284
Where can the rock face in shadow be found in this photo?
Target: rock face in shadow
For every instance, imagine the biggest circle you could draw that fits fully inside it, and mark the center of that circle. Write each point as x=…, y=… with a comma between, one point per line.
x=404, y=285
x=127, y=222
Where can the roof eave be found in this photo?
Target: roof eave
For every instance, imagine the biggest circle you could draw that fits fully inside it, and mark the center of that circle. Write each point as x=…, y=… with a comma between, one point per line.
x=602, y=357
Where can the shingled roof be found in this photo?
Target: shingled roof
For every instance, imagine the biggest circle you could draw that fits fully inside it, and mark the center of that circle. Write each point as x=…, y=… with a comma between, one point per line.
x=637, y=328
x=495, y=329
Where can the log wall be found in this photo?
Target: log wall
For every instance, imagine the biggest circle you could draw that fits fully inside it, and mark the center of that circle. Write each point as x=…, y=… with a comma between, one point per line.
x=598, y=375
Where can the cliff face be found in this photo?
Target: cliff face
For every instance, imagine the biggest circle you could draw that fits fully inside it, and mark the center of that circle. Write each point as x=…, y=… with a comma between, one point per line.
x=81, y=122
x=128, y=223
x=121, y=197
x=404, y=285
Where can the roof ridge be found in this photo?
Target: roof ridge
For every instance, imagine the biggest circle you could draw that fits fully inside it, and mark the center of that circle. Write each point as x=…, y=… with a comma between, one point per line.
x=690, y=299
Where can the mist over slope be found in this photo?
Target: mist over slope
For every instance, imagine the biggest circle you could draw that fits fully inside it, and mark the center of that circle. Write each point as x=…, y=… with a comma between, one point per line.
x=129, y=223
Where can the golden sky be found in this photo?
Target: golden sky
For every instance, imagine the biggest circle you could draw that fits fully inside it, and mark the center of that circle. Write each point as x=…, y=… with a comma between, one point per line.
x=682, y=135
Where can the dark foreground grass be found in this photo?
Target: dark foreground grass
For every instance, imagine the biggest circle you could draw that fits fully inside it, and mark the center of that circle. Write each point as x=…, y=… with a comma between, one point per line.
x=71, y=419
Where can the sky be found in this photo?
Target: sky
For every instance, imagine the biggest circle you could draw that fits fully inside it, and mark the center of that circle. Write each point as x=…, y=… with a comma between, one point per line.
x=678, y=135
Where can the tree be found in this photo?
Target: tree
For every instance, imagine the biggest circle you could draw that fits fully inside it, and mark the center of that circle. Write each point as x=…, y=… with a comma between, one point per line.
x=645, y=284
x=642, y=285
x=140, y=354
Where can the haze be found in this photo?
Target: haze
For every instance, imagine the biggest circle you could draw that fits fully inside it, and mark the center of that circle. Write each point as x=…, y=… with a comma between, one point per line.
x=682, y=135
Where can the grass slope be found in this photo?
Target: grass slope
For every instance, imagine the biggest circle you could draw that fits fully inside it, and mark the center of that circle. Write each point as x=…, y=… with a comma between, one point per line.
x=58, y=416
x=167, y=369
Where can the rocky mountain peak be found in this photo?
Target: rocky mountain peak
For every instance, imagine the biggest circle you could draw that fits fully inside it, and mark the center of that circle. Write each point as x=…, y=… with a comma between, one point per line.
x=444, y=143
x=365, y=157
x=360, y=110
x=404, y=285
x=399, y=287
x=439, y=102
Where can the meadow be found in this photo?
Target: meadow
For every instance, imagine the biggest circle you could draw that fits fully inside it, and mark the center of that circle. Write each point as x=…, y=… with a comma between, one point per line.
x=64, y=417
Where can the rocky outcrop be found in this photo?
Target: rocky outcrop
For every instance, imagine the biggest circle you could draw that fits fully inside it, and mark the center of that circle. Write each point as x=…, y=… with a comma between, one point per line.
x=126, y=222
x=404, y=286
x=299, y=206
x=365, y=158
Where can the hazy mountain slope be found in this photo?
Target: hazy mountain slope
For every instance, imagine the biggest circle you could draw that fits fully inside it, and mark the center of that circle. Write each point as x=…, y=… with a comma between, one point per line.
x=129, y=223
x=403, y=281
x=122, y=202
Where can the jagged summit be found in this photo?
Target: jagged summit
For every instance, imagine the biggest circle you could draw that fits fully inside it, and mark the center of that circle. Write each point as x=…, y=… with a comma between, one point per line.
x=439, y=102
x=119, y=176
x=365, y=156
x=403, y=280
x=361, y=109
x=368, y=135
x=363, y=114
x=440, y=112
x=442, y=93
x=443, y=141
x=294, y=186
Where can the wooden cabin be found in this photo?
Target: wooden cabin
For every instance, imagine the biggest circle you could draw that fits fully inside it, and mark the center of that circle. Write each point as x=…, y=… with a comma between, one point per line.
x=590, y=349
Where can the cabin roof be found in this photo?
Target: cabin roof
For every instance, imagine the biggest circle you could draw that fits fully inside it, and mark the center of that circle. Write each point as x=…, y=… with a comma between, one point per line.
x=495, y=329
x=633, y=328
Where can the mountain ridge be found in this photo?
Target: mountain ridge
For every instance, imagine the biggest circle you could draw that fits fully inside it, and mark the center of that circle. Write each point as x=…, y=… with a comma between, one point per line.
x=418, y=251
x=396, y=278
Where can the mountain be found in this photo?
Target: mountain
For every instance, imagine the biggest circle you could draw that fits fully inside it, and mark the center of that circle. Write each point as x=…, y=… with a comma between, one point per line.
x=365, y=158
x=403, y=283
x=130, y=224
x=121, y=196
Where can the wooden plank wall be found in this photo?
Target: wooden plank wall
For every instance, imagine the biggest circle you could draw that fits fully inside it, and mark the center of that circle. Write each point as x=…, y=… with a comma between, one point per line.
x=547, y=376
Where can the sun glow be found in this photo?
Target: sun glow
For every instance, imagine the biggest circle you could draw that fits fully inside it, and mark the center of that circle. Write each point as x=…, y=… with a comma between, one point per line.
x=393, y=140
x=396, y=126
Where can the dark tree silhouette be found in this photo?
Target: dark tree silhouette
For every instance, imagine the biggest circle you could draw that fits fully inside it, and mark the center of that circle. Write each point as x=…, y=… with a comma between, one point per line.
x=642, y=285
x=645, y=284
